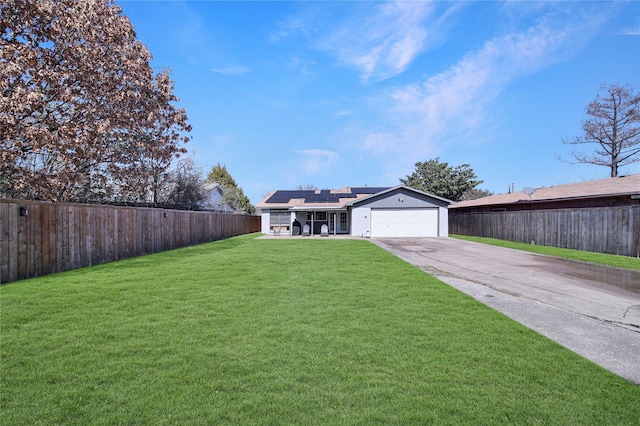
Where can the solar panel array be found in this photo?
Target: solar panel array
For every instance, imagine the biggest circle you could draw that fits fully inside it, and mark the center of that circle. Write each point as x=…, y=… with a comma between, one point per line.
x=323, y=196
x=285, y=196
x=369, y=189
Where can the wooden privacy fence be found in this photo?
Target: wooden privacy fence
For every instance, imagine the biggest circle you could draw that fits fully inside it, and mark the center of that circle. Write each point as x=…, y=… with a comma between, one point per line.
x=614, y=230
x=39, y=238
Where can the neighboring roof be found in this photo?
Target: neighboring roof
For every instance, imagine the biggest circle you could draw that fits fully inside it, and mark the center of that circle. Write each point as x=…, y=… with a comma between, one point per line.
x=316, y=198
x=330, y=198
x=213, y=186
x=618, y=186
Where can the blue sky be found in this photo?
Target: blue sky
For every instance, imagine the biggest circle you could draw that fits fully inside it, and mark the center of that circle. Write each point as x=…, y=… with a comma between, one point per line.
x=354, y=93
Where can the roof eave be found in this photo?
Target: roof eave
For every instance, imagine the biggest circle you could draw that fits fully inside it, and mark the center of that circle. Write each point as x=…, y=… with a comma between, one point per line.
x=317, y=207
x=351, y=203
x=552, y=200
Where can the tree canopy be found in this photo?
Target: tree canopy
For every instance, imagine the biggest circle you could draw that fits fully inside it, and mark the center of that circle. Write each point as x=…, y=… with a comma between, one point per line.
x=474, y=194
x=443, y=180
x=221, y=176
x=232, y=194
x=613, y=127
x=185, y=189
x=83, y=117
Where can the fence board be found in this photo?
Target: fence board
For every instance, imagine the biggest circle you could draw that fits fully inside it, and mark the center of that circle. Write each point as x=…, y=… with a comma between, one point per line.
x=613, y=230
x=57, y=237
x=35, y=243
x=633, y=239
x=4, y=241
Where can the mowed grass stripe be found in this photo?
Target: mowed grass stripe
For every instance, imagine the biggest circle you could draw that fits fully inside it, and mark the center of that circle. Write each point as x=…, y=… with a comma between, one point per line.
x=250, y=331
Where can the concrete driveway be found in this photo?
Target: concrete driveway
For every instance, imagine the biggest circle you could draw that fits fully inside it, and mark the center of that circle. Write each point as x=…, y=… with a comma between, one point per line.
x=592, y=310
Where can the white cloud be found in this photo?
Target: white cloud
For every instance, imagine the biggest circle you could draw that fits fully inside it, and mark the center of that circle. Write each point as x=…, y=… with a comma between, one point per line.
x=378, y=40
x=316, y=161
x=288, y=27
x=383, y=44
x=380, y=143
x=450, y=105
x=630, y=32
x=231, y=69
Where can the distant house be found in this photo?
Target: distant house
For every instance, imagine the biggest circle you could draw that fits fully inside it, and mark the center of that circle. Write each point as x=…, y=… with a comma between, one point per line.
x=214, y=193
x=610, y=192
x=602, y=216
x=399, y=211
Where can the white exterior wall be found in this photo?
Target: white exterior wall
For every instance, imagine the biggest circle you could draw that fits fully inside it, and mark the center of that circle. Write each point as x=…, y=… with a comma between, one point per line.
x=265, y=221
x=361, y=222
x=400, y=199
x=443, y=222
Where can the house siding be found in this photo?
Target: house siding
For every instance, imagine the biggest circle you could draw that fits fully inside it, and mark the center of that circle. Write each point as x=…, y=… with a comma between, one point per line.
x=443, y=222
x=266, y=218
x=401, y=199
x=361, y=222
x=397, y=199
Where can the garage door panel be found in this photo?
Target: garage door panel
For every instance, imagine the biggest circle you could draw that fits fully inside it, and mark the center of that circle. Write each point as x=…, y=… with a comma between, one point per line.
x=404, y=222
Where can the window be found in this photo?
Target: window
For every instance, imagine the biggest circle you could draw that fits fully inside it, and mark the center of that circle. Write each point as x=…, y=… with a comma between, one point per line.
x=321, y=215
x=279, y=220
x=343, y=223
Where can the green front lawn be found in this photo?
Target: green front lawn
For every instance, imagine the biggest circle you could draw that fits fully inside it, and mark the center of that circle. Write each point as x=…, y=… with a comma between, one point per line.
x=582, y=256
x=290, y=331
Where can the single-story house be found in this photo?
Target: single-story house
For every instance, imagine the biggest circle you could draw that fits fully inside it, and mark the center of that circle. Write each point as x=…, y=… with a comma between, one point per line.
x=399, y=211
x=600, y=216
x=609, y=192
x=213, y=198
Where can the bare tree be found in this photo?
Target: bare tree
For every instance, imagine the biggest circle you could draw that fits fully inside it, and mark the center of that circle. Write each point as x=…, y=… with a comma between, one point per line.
x=186, y=187
x=82, y=115
x=613, y=126
x=306, y=187
x=146, y=170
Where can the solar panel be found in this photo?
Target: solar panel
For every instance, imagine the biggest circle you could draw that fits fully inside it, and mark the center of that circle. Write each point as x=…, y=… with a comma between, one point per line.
x=323, y=196
x=368, y=190
x=284, y=196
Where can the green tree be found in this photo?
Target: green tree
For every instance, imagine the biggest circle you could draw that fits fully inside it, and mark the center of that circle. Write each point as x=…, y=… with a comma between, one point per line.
x=474, y=194
x=221, y=176
x=232, y=194
x=235, y=198
x=442, y=180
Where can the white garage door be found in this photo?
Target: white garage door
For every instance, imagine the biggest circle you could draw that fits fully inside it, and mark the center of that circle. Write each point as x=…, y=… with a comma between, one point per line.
x=404, y=222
